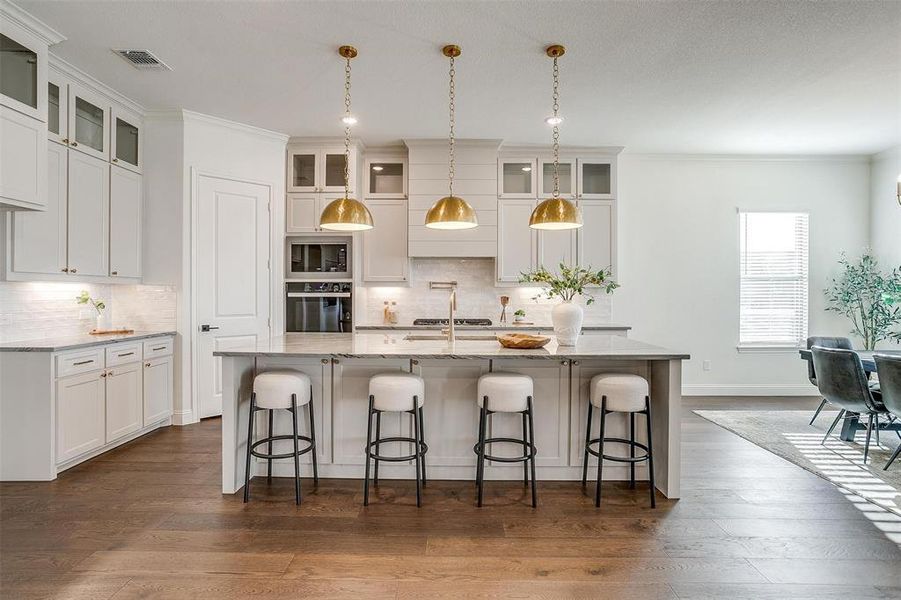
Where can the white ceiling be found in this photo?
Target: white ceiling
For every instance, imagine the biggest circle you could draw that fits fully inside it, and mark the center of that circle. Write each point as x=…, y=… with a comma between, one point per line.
x=697, y=77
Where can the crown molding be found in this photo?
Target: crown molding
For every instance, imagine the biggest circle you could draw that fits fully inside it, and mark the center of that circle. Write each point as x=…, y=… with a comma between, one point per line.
x=92, y=83
x=843, y=158
x=470, y=143
x=33, y=25
x=542, y=149
x=182, y=115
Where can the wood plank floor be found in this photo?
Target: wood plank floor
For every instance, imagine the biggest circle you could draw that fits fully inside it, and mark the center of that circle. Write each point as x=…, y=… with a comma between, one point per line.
x=147, y=521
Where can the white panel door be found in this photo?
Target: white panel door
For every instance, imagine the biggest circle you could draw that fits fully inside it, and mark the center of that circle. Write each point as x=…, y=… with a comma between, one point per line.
x=79, y=414
x=125, y=223
x=23, y=148
x=231, y=275
x=39, y=238
x=124, y=400
x=158, y=386
x=596, y=239
x=385, y=255
x=88, y=241
x=516, y=241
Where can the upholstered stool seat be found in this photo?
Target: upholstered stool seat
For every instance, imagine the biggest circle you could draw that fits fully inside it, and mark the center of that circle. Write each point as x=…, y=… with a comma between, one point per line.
x=506, y=393
x=394, y=392
x=281, y=390
x=624, y=393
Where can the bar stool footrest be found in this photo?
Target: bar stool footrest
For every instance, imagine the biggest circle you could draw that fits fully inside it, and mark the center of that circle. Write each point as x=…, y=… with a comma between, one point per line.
x=423, y=449
x=624, y=459
x=532, y=451
x=311, y=444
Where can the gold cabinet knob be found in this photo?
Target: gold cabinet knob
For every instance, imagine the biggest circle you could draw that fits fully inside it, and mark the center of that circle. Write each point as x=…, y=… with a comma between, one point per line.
x=64, y=270
x=146, y=364
x=115, y=160
x=65, y=140
x=73, y=270
x=74, y=144
x=114, y=273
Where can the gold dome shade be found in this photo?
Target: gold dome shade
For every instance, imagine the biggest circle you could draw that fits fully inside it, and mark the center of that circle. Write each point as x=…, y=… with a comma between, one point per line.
x=451, y=212
x=346, y=214
x=556, y=213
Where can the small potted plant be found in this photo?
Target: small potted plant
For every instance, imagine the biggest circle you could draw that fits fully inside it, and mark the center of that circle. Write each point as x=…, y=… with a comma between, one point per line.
x=519, y=316
x=569, y=283
x=104, y=320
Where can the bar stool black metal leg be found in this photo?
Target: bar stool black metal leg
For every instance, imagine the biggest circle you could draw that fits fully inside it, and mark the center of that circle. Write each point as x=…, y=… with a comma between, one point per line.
x=253, y=407
x=647, y=401
x=367, y=452
x=597, y=492
x=632, y=450
x=296, y=452
x=269, y=466
x=417, y=453
x=422, y=439
x=587, y=441
x=525, y=438
x=530, y=450
x=378, y=436
x=313, y=437
x=478, y=460
x=481, y=458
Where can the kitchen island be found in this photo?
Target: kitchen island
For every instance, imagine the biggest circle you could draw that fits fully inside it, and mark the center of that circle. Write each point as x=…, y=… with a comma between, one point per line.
x=340, y=365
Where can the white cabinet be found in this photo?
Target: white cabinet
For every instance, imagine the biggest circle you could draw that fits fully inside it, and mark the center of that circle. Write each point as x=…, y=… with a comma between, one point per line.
x=566, y=170
x=555, y=247
x=88, y=215
x=517, y=243
x=57, y=107
x=124, y=400
x=125, y=139
x=385, y=253
x=89, y=118
x=23, y=62
x=302, y=214
x=314, y=168
x=125, y=198
x=23, y=151
x=39, y=237
x=385, y=177
x=596, y=237
x=596, y=178
x=158, y=386
x=517, y=177
x=80, y=411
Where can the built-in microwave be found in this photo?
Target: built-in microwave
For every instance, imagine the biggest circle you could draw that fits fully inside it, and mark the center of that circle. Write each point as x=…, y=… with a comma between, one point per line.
x=319, y=258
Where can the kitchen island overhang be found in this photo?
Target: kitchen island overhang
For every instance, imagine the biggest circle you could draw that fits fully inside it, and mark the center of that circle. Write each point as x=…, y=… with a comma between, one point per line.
x=340, y=365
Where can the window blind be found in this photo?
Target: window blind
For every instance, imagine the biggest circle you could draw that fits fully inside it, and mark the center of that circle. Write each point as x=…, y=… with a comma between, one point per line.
x=774, y=279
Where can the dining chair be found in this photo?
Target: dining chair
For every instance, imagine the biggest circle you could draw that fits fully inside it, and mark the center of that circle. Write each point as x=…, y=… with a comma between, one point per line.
x=843, y=382
x=823, y=342
x=889, y=370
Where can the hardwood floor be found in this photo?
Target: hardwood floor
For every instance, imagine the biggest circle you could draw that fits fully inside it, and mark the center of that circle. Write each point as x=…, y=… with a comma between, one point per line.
x=148, y=521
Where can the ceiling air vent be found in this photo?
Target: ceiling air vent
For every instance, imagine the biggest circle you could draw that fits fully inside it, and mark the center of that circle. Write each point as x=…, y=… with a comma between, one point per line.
x=143, y=60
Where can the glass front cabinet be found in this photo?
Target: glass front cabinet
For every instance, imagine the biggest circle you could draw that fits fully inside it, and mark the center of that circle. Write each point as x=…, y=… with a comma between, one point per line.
x=596, y=179
x=385, y=177
x=566, y=174
x=23, y=71
x=319, y=169
x=89, y=119
x=125, y=139
x=516, y=177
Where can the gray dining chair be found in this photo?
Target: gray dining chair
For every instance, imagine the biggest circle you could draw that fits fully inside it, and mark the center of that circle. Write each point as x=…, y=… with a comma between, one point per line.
x=823, y=342
x=843, y=382
x=889, y=370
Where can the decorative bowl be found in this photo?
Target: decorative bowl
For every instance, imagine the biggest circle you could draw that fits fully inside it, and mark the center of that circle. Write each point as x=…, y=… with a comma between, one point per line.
x=523, y=341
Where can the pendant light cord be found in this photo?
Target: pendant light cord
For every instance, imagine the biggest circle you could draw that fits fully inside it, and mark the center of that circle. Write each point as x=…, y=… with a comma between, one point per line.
x=451, y=170
x=556, y=130
x=347, y=128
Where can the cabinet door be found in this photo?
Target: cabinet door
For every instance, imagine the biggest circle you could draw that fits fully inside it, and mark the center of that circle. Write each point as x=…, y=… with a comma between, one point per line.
x=57, y=108
x=158, y=386
x=89, y=120
x=302, y=215
x=596, y=236
x=39, y=237
x=125, y=223
x=303, y=170
x=23, y=155
x=517, y=177
x=79, y=415
x=125, y=139
x=88, y=241
x=567, y=176
x=332, y=173
x=555, y=247
x=124, y=401
x=516, y=241
x=385, y=256
x=23, y=70
x=386, y=178
x=596, y=178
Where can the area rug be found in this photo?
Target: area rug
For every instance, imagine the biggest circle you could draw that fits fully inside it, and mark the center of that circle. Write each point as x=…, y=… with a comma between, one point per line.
x=788, y=434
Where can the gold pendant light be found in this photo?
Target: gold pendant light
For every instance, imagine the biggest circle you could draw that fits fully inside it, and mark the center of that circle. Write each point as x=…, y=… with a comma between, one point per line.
x=556, y=212
x=451, y=212
x=346, y=214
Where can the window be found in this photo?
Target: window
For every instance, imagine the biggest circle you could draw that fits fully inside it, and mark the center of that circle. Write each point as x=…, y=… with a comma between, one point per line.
x=774, y=282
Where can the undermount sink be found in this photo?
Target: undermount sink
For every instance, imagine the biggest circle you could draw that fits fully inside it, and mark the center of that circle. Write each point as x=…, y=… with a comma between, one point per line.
x=416, y=337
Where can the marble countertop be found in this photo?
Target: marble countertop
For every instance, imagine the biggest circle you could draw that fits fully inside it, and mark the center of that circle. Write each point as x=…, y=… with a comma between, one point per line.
x=347, y=345
x=495, y=327
x=73, y=342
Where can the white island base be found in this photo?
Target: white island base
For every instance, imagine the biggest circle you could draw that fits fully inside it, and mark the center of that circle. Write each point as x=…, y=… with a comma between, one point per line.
x=340, y=365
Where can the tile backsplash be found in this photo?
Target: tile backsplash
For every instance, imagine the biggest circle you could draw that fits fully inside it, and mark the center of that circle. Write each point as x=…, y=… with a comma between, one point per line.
x=477, y=295
x=42, y=309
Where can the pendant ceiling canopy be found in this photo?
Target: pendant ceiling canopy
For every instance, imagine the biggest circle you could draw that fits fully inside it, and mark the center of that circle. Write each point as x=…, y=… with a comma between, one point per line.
x=346, y=214
x=451, y=212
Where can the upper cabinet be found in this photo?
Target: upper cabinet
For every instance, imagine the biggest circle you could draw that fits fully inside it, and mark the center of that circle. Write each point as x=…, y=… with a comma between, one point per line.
x=385, y=253
x=516, y=177
x=89, y=118
x=125, y=139
x=23, y=71
x=316, y=168
x=57, y=108
x=385, y=177
x=23, y=161
x=566, y=170
x=595, y=179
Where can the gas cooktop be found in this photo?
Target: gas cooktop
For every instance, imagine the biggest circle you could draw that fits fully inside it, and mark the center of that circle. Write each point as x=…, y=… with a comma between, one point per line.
x=478, y=322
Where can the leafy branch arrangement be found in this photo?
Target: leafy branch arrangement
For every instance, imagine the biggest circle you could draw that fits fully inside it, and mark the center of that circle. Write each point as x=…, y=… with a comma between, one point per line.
x=869, y=297
x=96, y=303
x=570, y=282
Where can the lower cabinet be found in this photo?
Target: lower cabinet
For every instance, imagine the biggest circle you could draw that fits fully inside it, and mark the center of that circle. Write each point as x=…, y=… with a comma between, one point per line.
x=124, y=404
x=80, y=409
x=158, y=385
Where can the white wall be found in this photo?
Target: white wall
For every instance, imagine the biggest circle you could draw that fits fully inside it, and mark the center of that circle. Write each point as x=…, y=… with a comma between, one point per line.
x=885, y=211
x=678, y=256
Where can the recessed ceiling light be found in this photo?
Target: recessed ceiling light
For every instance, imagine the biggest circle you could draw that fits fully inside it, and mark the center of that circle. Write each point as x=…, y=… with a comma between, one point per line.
x=554, y=120
x=349, y=120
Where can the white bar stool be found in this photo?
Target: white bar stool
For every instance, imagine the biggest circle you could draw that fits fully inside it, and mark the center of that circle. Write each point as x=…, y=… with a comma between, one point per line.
x=274, y=390
x=396, y=392
x=625, y=394
x=506, y=393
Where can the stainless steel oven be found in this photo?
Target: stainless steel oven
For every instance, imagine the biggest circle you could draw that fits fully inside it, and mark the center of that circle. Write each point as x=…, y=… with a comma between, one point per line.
x=320, y=257
x=319, y=306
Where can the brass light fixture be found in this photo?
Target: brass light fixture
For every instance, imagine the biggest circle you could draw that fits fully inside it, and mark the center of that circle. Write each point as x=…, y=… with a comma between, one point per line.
x=346, y=214
x=451, y=212
x=556, y=212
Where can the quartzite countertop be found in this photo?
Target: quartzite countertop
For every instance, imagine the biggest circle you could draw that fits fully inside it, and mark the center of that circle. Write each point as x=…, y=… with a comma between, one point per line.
x=73, y=342
x=495, y=327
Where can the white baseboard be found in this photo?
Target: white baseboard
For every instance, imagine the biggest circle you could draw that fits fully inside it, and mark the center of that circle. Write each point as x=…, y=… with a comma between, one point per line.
x=712, y=389
x=184, y=417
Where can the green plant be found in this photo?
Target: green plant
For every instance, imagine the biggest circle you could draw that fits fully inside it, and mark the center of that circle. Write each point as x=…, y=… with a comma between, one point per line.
x=570, y=282
x=869, y=297
x=519, y=313
x=96, y=303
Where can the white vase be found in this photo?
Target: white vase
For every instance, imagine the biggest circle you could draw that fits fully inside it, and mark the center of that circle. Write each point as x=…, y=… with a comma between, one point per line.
x=567, y=320
x=104, y=321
